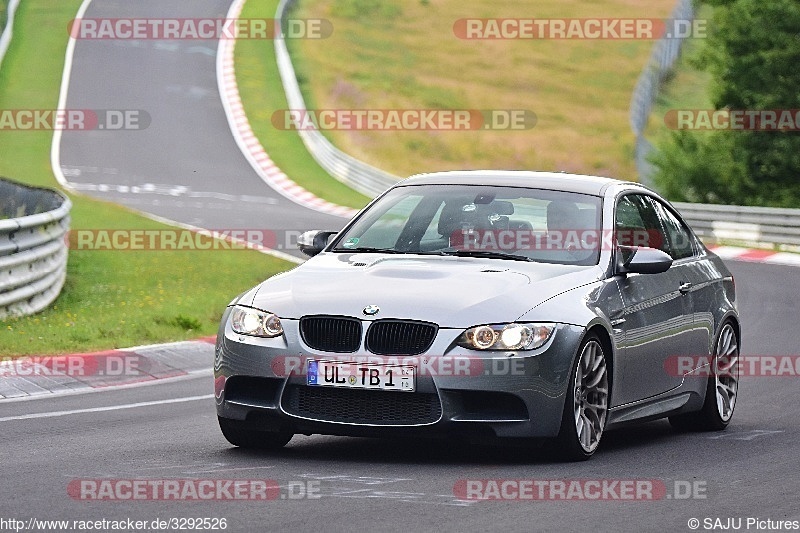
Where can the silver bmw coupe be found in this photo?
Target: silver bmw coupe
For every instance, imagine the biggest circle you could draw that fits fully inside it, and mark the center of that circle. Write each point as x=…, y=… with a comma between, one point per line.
x=498, y=304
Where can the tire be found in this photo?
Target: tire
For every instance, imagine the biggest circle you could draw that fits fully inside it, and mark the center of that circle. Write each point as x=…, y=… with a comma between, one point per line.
x=586, y=405
x=239, y=435
x=722, y=389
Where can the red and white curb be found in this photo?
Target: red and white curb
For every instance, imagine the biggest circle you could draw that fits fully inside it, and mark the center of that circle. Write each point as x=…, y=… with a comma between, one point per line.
x=248, y=142
x=30, y=377
x=755, y=255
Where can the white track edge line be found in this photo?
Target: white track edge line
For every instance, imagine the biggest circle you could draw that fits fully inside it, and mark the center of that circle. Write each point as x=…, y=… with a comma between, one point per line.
x=53, y=414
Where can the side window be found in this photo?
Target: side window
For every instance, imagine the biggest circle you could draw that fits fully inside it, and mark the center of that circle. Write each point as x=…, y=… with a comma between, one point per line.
x=637, y=223
x=680, y=239
x=628, y=215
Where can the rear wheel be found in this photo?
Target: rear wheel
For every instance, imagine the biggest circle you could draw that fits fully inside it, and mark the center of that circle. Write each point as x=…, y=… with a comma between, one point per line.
x=239, y=435
x=722, y=389
x=586, y=405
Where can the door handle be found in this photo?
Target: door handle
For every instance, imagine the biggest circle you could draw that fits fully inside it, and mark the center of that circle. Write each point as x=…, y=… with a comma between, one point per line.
x=685, y=287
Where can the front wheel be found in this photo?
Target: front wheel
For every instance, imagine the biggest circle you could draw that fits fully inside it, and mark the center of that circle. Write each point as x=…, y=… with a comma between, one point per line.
x=241, y=436
x=722, y=389
x=586, y=405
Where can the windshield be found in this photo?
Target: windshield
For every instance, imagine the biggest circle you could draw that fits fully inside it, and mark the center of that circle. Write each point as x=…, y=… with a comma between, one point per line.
x=482, y=221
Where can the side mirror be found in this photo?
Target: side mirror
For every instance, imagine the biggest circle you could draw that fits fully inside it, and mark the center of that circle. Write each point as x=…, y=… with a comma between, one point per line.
x=642, y=260
x=313, y=242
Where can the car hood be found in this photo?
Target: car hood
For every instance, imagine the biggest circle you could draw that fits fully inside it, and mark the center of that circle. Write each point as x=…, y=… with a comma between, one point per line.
x=453, y=292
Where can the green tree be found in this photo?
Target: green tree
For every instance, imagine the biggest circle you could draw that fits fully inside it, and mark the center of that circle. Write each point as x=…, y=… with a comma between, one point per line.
x=753, y=53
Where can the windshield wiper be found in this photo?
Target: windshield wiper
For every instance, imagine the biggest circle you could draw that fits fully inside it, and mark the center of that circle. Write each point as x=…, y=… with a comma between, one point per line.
x=369, y=249
x=483, y=253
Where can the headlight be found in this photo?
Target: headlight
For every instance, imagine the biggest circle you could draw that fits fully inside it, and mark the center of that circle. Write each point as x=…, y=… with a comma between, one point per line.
x=506, y=336
x=249, y=321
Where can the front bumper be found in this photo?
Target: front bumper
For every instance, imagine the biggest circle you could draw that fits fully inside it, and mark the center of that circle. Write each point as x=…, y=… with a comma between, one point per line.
x=262, y=382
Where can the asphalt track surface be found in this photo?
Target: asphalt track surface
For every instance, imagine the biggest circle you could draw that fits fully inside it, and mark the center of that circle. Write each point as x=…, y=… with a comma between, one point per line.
x=750, y=470
x=185, y=166
x=168, y=431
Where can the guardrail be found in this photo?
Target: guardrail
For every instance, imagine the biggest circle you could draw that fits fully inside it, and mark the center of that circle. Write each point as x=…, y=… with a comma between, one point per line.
x=665, y=53
x=5, y=33
x=33, y=248
x=753, y=226
x=364, y=178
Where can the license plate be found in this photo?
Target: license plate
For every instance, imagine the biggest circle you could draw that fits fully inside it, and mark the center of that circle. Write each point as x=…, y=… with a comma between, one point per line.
x=349, y=375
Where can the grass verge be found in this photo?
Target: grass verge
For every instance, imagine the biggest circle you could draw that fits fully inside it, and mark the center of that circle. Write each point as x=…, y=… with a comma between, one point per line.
x=111, y=298
x=262, y=94
x=392, y=54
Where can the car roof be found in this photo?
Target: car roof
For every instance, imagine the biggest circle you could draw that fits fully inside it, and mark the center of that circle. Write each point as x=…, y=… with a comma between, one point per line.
x=557, y=181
